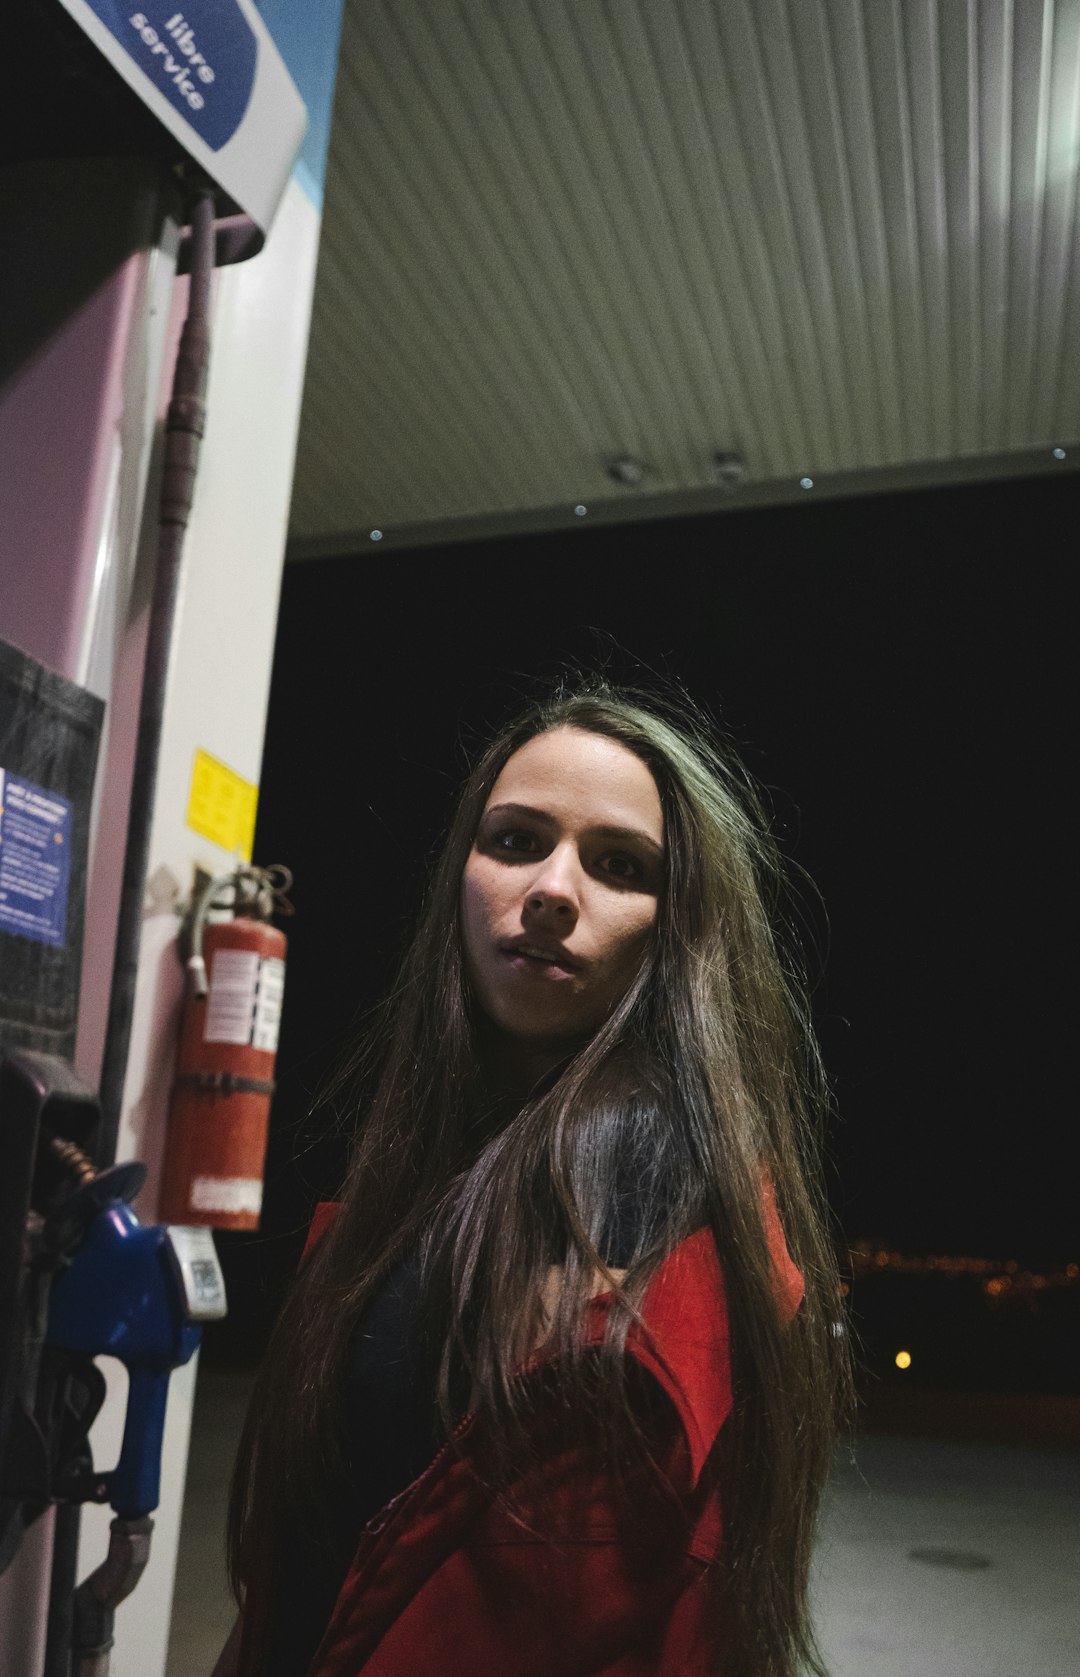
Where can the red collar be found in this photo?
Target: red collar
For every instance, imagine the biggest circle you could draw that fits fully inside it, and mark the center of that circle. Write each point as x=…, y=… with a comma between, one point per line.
x=685, y=1338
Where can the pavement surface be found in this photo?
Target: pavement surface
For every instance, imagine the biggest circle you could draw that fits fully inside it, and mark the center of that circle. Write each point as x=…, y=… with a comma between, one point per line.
x=940, y=1558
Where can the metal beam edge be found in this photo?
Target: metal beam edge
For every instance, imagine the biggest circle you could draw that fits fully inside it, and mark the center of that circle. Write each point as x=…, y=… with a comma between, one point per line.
x=633, y=508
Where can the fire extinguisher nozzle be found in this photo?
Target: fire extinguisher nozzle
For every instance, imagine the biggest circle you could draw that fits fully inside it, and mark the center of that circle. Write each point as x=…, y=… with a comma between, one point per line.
x=196, y=971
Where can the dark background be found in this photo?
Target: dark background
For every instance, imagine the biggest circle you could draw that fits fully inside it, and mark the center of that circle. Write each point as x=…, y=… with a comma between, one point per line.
x=892, y=669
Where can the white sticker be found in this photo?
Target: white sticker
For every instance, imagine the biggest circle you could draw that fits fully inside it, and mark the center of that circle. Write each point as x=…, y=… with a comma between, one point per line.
x=226, y=1193
x=268, y=1004
x=230, y=1008
x=200, y=1273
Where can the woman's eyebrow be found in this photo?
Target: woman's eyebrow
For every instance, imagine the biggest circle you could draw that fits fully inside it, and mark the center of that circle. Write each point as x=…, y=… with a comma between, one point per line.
x=623, y=835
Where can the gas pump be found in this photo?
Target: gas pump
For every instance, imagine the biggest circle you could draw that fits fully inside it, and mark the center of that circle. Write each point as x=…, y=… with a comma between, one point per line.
x=120, y=128
x=87, y=1279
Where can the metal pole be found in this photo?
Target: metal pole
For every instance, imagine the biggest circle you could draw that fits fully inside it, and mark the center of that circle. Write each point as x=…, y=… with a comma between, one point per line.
x=65, y=1560
x=183, y=434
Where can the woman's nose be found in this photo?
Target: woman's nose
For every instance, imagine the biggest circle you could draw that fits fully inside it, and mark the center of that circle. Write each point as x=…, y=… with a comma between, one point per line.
x=555, y=888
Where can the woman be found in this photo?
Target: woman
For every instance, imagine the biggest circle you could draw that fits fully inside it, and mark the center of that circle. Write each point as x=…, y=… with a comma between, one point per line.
x=551, y=1394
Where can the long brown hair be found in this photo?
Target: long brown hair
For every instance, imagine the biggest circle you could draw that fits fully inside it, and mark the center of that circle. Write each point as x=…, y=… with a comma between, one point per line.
x=705, y=1075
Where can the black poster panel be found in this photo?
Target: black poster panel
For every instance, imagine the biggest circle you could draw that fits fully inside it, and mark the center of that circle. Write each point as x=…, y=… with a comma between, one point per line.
x=50, y=731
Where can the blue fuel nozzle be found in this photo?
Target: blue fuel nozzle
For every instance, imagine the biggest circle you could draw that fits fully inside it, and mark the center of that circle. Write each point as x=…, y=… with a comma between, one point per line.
x=138, y=1294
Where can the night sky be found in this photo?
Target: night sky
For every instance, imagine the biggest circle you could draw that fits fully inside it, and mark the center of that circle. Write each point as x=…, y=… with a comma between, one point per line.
x=891, y=668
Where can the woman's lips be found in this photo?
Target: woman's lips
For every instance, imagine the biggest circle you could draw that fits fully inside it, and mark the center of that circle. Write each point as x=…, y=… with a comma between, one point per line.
x=541, y=966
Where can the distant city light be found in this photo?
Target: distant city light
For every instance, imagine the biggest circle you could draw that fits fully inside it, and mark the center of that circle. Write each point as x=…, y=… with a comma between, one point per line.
x=903, y=1359
x=998, y=1279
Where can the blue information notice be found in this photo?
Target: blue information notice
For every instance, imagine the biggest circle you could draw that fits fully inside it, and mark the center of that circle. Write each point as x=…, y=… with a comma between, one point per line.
x=35, y=860
x=201, y=55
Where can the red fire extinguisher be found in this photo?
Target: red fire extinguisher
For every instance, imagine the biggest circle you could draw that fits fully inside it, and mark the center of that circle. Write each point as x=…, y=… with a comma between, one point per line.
x=216, y=1143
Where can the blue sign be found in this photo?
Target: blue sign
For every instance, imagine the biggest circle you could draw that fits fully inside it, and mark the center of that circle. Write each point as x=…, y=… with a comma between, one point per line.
x=307, y=38
x=201, y=57
x=35, y=860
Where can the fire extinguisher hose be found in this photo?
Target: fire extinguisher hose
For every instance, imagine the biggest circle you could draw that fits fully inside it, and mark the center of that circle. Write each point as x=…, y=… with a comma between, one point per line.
x=255, y=890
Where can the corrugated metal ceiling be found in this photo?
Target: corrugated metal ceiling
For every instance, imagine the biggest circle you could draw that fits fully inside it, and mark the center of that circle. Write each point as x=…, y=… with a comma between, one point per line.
x=838, y=237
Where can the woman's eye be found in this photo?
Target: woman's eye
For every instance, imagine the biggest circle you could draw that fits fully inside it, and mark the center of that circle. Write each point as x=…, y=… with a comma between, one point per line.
x=515, y=840
x=621, y=866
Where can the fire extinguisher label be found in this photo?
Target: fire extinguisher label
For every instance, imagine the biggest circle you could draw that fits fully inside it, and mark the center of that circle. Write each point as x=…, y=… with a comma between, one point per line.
x=230, y=1006
x=268, y=1004
x=226, y=1193
x=244, y=1004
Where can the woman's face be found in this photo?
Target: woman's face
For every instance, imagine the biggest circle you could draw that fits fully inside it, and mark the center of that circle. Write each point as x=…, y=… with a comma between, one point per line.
x=559, y=894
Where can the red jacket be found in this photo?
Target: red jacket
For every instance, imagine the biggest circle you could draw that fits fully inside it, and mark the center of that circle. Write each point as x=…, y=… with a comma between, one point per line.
x=445, y=1584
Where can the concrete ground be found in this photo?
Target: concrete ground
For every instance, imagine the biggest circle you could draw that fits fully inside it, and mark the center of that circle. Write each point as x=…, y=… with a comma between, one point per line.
x=936, y=1558
x=946, y=1559
x=203, y=1608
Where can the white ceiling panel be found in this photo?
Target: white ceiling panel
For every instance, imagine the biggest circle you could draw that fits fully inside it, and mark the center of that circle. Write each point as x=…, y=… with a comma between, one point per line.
x=837, y=237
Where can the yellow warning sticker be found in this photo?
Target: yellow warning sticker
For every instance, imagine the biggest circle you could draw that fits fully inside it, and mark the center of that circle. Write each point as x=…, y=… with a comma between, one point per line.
x=222, y=805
